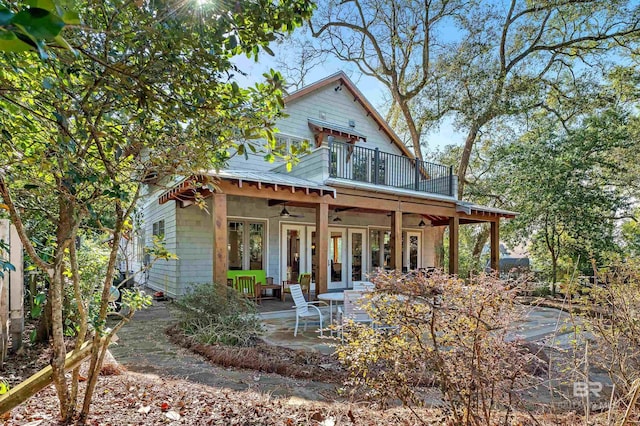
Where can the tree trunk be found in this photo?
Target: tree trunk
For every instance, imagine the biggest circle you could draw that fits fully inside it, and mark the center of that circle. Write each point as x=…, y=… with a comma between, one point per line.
x=411, y=125
x=98, y=352
x=82, y=313
x=64, y=235
x=438, y=239
x=43, y=332
x=554, y=274
x=466, y=157
x=59, y=350
x=481, y=241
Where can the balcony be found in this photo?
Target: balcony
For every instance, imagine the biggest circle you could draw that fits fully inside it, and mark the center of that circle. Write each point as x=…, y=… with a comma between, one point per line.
x=347, y=161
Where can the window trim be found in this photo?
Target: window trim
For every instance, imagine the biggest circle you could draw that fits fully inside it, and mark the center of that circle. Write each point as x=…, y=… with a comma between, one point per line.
x=156, y=227
x=246, y=237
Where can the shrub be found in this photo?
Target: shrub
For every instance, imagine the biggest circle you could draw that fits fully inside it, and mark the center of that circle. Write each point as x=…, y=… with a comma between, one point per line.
x=218, y=314
x=612, y=325
x=437, y=327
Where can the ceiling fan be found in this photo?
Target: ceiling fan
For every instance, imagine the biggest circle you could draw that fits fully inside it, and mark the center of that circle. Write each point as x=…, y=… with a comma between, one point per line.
x=284, y=213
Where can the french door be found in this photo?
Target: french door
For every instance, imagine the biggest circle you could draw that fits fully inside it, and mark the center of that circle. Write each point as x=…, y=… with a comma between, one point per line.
x=412, y=258
x=357, y=256
x=337, y=258
x=293, y=252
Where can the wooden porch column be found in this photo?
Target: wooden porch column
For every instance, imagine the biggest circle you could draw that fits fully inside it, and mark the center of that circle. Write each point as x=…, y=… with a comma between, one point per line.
x=322, y=247
x=495, y=246
x=396, y=240
x=454, y=230
x=220, y=239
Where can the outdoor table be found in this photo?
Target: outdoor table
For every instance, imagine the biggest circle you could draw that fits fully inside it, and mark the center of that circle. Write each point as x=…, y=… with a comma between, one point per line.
x=275, y=291
x=331, y=297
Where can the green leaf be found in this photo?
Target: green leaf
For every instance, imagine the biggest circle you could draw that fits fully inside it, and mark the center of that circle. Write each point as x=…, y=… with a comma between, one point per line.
x=9, y=42
x=38, y=24
x=5, y=16
x=71, y=18
x=42, y=4
x=36, y=311
x=64, y=43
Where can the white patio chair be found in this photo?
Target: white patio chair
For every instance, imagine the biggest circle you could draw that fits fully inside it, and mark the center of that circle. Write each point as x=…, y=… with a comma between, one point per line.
x=353, y=310
x=302, y=307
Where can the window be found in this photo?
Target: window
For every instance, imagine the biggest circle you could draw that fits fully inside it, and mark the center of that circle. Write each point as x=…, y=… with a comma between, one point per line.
x=246, y=245
x=292, y=143
x=158, y=229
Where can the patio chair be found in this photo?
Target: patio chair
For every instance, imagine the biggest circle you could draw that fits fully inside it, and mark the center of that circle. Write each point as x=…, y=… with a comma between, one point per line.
x=247, y=287
x=353, y=310
x=302, y=307
x=305, y=282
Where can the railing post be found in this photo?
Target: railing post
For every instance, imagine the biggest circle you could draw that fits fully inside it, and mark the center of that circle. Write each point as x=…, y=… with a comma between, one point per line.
x=376, y=165
x=451, y=181
x=332, y=172
x=416, y=185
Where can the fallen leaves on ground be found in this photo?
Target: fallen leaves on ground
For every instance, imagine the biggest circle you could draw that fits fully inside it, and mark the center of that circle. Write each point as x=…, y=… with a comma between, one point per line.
x=138, y=399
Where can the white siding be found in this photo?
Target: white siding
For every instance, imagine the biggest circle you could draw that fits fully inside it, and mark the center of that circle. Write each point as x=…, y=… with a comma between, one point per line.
x=313, y=167
x=327, y=105
x=163, y=273
x=194, y=246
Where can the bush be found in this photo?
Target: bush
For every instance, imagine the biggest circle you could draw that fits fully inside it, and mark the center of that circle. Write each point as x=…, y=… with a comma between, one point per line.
x=612, y=325
x=218, y=314
x=439, y=328
x=541, y=291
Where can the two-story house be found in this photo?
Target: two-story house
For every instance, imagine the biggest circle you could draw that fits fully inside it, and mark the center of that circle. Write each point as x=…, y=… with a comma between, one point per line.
x=358, y=201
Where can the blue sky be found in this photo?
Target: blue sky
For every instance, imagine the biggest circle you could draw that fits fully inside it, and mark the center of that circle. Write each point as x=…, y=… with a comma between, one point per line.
x=370, y=87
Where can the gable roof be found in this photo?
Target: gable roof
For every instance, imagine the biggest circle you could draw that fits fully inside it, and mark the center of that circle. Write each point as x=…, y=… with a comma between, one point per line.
x=341, y=77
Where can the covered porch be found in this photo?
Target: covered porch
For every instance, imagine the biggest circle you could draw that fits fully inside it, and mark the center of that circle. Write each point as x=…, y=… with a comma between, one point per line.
x=347, y=229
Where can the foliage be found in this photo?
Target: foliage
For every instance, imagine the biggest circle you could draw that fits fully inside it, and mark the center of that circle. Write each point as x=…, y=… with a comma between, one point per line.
x=33, y=24
x=147, y=90
x=219, y=315
x=477, y=62
x=5, y=265
x=565, y=184
x=439, y=327
x=615, y=325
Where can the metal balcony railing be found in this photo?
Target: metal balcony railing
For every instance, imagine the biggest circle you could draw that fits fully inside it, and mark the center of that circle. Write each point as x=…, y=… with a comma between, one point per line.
x=347, y=161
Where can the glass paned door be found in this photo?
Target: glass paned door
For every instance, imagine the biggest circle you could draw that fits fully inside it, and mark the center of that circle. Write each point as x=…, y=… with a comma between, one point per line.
x=413, y=250
x=256, y=248
x=293, y=252
x=236, y=245
x=337, y=258
x=311, y=252
x=356, y=259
